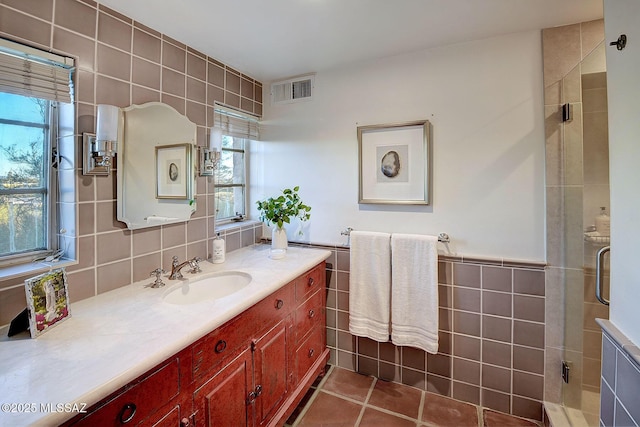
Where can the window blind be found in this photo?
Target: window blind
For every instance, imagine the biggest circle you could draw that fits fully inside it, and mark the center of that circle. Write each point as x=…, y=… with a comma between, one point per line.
x=236, y=123
x=30, y=72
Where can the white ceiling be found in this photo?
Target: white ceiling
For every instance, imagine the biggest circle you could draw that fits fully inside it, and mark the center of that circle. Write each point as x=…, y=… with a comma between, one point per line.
x=276, y=39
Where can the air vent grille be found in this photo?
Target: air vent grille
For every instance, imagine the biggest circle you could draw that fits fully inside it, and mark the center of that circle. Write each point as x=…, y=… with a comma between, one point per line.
x=292, y=90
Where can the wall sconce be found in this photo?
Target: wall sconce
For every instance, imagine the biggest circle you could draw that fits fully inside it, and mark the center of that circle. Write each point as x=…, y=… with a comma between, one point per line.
x=210, y=156
x=100, y=149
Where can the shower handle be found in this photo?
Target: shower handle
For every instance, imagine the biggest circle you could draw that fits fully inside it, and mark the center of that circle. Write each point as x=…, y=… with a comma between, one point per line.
x=600, y=276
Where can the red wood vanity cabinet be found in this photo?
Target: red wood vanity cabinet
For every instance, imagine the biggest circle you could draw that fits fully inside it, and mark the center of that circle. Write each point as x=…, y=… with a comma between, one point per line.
x=251, y=371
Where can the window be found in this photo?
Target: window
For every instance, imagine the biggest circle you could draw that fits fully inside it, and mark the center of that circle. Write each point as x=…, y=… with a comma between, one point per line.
x=25, y=200
x=230, y=178
x=230, y=184
x=32, y=84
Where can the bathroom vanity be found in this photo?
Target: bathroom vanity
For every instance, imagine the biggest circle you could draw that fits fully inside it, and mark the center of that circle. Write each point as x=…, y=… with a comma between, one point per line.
x=244, y=359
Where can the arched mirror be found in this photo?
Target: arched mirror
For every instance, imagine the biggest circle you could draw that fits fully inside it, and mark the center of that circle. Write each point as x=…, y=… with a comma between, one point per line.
x=156, y=178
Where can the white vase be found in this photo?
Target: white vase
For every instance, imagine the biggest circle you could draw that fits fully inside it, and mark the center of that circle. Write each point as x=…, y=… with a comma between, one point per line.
x=279, y=238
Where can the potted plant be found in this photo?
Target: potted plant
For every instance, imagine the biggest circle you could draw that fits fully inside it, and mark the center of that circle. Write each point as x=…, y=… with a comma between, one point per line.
x=279, y=211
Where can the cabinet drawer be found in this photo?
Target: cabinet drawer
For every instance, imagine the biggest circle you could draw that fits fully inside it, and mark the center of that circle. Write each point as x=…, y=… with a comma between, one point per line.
x=310, y=282
x=140, y=401
x=238, y=332
x=217, y=346
x=308, y=314
x=308, y=352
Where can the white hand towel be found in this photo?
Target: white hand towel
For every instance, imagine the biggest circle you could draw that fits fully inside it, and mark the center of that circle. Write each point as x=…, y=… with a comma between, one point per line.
x=370, y=285
x=414, y=291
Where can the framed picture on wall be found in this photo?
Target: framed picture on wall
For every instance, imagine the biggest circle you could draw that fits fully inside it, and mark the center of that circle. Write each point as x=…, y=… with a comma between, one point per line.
x=47, y=301
x=394, y=163
x=174, y=171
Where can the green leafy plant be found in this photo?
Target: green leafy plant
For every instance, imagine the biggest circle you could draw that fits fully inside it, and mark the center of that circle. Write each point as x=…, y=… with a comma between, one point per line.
x=282, y=209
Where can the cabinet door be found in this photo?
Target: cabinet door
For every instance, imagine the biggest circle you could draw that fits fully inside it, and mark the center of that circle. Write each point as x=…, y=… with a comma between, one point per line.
x=222, y=401
x=270, y=361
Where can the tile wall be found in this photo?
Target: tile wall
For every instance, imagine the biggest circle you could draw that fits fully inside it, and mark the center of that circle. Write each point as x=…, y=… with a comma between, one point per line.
x=122, y=62
x=492, y=335
x=620, y=378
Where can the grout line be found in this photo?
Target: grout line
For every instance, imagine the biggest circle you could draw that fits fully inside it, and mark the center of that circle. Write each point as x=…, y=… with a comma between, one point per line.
x=423, y=398
x=312, y=398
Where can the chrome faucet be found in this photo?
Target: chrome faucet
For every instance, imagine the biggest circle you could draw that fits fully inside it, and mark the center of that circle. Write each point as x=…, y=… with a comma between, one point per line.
x=176, y=267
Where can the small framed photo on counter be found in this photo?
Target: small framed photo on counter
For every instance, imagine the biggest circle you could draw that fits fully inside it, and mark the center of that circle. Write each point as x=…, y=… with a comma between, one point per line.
x=47, y=301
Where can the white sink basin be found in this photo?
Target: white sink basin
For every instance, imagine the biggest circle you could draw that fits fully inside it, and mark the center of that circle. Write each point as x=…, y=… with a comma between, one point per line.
x=217, y=286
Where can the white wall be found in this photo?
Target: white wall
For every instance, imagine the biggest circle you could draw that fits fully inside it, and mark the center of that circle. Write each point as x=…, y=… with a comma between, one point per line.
x=623, y=89
x=485, y=102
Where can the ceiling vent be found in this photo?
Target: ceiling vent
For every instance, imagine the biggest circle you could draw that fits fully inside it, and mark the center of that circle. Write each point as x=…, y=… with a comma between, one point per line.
x=292, y=90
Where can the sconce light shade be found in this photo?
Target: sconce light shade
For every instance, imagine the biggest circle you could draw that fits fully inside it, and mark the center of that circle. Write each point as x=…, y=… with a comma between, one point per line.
x=100, y=149
x=107, y=123
x=215, y=139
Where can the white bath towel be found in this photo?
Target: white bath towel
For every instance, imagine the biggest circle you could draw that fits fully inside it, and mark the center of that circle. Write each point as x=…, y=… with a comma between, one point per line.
x=414, y=291
x=370, y=285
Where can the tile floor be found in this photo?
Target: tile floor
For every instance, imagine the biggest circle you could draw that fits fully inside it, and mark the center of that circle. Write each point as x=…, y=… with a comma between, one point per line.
x=347, y=399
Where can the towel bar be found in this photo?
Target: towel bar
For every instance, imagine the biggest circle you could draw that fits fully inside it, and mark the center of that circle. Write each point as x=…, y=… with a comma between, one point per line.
x=442, y=237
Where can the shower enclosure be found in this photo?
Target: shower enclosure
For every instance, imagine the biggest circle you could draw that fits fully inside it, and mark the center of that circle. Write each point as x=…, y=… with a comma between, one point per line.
x=577, y=190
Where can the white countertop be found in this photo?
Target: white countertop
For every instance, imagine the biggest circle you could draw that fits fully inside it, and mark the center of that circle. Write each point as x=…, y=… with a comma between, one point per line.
x=113, y=338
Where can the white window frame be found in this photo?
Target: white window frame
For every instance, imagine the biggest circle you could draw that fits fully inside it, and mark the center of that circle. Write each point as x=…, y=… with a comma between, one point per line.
x=61, y=119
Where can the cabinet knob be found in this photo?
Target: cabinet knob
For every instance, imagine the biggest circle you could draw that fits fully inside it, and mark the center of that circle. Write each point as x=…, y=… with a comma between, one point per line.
x=279, y=304
x=311, y=352
x=127, y=413
x=311, y=314
x=310, y=282
x=185, y=422
x=258, y=390
x=220, y=346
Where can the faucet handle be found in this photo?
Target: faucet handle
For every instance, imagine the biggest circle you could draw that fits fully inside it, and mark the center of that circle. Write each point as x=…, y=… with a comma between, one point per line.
x=158, y=283
x=195, y=265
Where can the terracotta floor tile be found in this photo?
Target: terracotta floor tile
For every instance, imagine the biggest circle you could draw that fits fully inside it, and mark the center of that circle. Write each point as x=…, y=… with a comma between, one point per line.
x=443, y=411
x=373, y=418
x=348, y=383
x=498, y=419
x=328, y=410
x=395, y=397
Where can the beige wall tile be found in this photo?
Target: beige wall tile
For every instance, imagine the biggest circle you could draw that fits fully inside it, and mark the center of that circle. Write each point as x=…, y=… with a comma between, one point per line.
x=114, y=32
x=76, y=16
x=38, y=8
x=174, y=57
x=147, y=45
x=112, y=92
x=174, y=235
x=144, y=265
x=141, y=95
x=12, y=302
x=113, y=63
x=173, y=82
x=81, y=285
x=592, y=34
x=113, y=276
x=145, y=73
x=113, y=246
x=83, y=48
x=561, y=51
x=25, y=27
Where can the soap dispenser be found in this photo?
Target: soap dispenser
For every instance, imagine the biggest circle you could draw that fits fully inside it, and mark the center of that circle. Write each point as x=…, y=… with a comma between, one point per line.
x=603, y=222
x=218, y=249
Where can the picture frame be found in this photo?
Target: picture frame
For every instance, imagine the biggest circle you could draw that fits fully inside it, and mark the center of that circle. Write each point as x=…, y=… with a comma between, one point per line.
x=174, y=170
x=395, y=163
x=47, y=301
